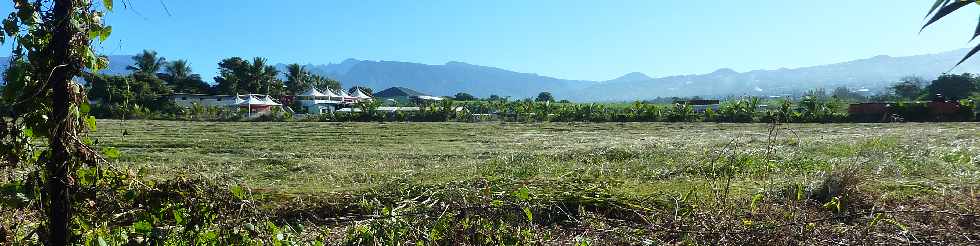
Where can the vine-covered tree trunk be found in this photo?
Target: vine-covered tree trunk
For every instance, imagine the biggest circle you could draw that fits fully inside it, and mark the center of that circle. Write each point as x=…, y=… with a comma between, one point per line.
x=62, y=127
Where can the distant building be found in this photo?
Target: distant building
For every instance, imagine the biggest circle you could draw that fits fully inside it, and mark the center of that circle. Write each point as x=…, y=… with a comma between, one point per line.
x=314, y=101
x=254, y=103
x=402, y=94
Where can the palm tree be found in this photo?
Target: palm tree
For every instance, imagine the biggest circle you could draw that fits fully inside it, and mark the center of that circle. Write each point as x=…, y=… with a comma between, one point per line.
x=178, y=70
x=147, y=63
x=271, y=81
x=296, y=78
x=942, y=8
x=323, y=83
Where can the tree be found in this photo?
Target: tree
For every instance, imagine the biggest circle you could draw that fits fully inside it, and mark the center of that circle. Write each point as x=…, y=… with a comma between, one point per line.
x=844, y=93
x=108, y=89
x=296, y=79
x=909, y=88
x=463, y=96
x=323, y=83
x=180, y=77
x=238, y=76
x=953, y=86
x=147, y=63
x=232, y=71
x=496, y=98
x=264, y=78
x=545, y=97
x=52, y=46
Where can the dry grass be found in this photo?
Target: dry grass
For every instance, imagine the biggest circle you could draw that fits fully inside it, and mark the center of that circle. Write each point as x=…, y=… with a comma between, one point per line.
x=598, y=183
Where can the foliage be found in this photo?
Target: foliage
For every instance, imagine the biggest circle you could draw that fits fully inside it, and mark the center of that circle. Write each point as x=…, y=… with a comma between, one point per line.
x=296, y=79
x=545, y=97
x=954, y=87
x=463, y=96
x=147, y=63
x=845, y=94
x=324, y=83
x=136, y=89
x=181, y=78
x=238, y=76
x=909, y=88
x=51, y=44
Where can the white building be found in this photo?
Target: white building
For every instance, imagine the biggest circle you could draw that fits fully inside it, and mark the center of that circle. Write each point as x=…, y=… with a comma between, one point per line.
x=316, y=102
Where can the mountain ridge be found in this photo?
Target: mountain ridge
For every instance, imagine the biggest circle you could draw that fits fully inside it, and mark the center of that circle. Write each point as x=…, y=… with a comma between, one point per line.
x=875, y=72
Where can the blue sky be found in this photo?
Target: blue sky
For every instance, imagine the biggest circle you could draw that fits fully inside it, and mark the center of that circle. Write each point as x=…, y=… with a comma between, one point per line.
x=573, y=39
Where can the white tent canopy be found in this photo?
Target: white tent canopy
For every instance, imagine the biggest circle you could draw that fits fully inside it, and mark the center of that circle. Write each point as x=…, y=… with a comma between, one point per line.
x=313, y=92
x=251, y=100
x=330, y=93
x=342, y=93
x=267, y=100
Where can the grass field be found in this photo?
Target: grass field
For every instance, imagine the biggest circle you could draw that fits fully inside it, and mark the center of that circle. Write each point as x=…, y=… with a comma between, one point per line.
x=747, y=170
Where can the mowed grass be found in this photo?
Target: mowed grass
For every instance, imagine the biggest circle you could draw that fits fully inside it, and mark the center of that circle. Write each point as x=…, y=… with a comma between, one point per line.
x=632, y=159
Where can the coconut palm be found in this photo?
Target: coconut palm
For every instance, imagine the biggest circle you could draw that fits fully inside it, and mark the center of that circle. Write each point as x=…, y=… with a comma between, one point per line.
x=296, y=78
x=323, y=83
x=178, y=70
x=147, y=63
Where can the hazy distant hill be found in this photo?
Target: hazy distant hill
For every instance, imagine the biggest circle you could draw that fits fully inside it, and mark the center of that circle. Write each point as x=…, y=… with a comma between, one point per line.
x=873, y=73
x=443, y=80
x=482, y=81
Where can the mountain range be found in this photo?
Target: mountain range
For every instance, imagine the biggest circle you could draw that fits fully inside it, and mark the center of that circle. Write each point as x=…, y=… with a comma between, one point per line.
x=872, y=73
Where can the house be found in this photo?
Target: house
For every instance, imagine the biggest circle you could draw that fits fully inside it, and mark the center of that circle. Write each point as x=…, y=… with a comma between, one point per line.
x=399, y=94
x=406, y=95
x=315, y=102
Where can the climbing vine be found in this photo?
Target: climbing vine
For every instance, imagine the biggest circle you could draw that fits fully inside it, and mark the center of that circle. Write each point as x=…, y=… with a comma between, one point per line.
x=44, y=116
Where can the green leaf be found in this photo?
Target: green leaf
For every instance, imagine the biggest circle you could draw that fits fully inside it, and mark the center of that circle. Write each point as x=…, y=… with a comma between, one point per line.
x=896, y=223
x=91, y=60
x=108, y=4
x=111, y=153
x=90, y=122
x=527, y=212
x=523, y=194
x=755, y=201
x=85, y=108
x=238, y=192
x=104, y=34
x=143, y=227
x=178, y=217
x=102, y=241
x=497, y=203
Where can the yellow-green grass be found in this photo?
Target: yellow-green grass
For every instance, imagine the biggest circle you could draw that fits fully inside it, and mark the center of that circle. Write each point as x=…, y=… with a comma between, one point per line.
x=637, y=159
